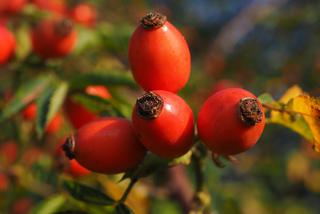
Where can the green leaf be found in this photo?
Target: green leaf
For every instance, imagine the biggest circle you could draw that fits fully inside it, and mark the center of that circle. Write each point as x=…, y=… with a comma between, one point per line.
x=121, y=78
x=57, y=99
x=43, y=104
x=97, y=104
x=87, y=194
x=122, y=209
x=25, y=95
x=266, y=98
x=48, y=104
x=50, y=205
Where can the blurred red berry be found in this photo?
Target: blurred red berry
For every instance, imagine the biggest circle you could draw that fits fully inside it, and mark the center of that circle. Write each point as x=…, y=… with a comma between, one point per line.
x=7, y=45
x=53, y=38
x=10, y=7
x=21, y=206
x=84, y=14
x=8, y=153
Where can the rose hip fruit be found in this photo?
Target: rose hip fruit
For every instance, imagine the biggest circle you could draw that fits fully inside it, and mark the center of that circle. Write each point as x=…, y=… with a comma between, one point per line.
x=7, y=44
x=231, y=121
x=164, y=123
x=84, y=14
x=80, y=115
x=159, y=55
x=53, y=38
x=71, y=167
x=108, y=145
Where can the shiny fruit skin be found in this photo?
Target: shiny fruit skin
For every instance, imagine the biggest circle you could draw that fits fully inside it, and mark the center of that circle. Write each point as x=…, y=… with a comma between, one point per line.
x=159, y=58
x=10, y=7
x=170, y=134
x=220, y=126
x=7, y=44
x=48, y=43
x=84, y=14
x=80, y=115
x=108, y=145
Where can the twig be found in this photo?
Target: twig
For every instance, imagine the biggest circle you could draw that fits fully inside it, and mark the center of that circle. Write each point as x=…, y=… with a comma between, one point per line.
x=123, y=198
x=288, y=111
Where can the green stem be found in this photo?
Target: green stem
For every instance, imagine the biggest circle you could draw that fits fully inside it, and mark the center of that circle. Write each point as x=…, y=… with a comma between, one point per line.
x=123, y=198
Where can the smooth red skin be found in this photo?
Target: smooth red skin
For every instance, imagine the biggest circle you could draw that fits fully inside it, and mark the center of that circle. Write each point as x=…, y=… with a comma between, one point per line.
x=11, y=7
x=160, y=58
x=220, y=127
x=84, y=14
x=80, y=115
x=171, y=134
x=48, y=44
x=56, y=6
x=7, y=44
x=108, y=145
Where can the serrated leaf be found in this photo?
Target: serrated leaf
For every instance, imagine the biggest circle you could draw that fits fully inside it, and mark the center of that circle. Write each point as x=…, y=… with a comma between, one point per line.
x=50, y=205
x=87, y=194
x=120, y=78
x=25, y=95
x=309, y=107
x=123, y=209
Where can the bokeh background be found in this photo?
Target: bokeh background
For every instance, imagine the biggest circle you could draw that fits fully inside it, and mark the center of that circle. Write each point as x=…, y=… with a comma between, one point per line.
x=260, y=45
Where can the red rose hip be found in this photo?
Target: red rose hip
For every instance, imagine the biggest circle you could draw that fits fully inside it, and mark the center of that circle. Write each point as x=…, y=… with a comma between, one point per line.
x=108, y=145
x=231, y=121
x=7, y=44
x=53, y=38
x=164, y=123
x=159, y=55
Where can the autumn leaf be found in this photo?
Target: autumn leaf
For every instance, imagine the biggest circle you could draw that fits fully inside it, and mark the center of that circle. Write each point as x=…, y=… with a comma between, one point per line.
x=283, y=114
x=309, y=107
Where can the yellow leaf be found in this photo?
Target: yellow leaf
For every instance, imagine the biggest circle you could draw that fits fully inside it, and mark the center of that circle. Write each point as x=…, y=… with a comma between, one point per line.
x=292, y=92
x=295, y=122
x=309, y=107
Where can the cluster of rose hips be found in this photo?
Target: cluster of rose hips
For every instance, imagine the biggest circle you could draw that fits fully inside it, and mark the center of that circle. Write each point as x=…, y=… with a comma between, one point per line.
x=229, y=122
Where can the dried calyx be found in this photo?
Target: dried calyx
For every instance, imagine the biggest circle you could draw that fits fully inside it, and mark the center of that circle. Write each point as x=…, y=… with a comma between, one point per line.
x=149, y=106
x=68, y=147
x=153, y=20
x=63, y=27
x=250, y=111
